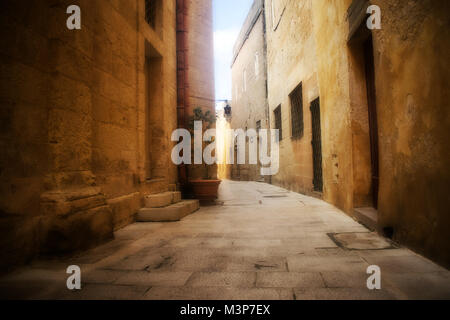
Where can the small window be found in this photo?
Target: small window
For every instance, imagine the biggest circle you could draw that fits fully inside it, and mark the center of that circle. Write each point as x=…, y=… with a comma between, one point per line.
x=154, y=15
x=258, y=126
x=278, y=124
x=296, y=98
x=256, y=65
x=150, y=12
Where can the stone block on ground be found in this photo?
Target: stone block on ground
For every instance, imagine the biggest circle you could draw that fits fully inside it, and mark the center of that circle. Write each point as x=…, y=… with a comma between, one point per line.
x=174, y=212
x=176, y=196
x=159, y=200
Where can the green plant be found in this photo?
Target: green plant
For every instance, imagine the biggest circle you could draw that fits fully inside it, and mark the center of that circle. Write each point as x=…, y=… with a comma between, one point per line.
x=208, y=118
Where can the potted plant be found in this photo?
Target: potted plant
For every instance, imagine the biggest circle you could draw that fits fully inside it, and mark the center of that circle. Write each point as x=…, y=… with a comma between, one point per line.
x=203, y=181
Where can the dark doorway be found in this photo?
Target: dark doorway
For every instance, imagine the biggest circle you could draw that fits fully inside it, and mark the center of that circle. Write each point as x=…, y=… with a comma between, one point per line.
x=317, y=145
x=373, y=123
x=278, y=121
x=155, y=163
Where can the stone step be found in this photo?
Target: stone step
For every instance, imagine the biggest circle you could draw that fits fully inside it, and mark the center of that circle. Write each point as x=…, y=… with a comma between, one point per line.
x=368, y=217
x=174, y=212
x=176, y=196
x=161, y=200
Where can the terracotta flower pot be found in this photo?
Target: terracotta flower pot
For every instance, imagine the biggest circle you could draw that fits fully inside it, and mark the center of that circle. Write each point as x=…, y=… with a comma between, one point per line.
x=205, y=190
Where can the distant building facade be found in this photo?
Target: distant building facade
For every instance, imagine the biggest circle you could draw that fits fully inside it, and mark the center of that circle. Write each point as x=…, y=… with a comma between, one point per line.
x=249, y=89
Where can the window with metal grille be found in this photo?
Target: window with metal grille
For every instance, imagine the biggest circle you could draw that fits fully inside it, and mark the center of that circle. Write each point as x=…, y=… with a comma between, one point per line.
x=296, y=98
x=317, y=145
x=278, y=125
x=150, y=12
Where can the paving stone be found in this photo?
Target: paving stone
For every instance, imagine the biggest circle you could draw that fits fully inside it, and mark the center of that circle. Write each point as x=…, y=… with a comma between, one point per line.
x=200, y=242
x=137, y=230
x=187, y=293
x=404, y=264
x=421, y=286
x=222, y=279
x=261, y=294
x=317, y=241
x=261, y=264
x=384, y=253
x=362, y=241
x=218, y=293
x=27, y=275
x=144, y=278
x=259, y=252
x=288, y=280
x=141, y=262
x=327, y=252
x=101, y=276
x=29, y=290
x=104, y=292
x=342, y=294
x=99, y=253
x=345, y=279
x=306, y=263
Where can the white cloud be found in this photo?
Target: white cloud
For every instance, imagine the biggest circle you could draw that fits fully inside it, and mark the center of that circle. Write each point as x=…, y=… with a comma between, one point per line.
x=224, y=40
x=223, y=50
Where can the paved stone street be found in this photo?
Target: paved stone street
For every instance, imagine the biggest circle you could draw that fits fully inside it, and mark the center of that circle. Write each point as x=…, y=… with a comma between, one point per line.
x=263, y=243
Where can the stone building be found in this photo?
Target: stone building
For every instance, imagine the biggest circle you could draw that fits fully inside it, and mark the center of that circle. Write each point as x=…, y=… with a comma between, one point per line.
x=384, y=104
x=86, y=117
x=195, y=71
x=292, y=86
x=364, y=113
x=249, y=88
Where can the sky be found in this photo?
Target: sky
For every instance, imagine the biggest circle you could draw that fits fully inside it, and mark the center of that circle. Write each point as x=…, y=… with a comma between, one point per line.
x=229, y=16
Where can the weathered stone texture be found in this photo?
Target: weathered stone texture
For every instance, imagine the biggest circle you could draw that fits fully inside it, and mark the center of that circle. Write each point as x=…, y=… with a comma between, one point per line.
x=412, y=104
x=201, y=55
x=291, y=60
x=308, y=42
x=199, y=65
x=254, y=251
x=250, y=98
x=73, y=117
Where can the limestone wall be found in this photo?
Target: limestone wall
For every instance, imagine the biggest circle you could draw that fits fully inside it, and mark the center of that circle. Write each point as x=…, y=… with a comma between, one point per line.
x=74, y=121
x=291, y=60
x=412, y=76
x=200, y=69
x=308, y=42
x=201, y=55
x=250, y=98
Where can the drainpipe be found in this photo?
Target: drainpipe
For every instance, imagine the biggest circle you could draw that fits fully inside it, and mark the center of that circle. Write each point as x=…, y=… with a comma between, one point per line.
x=182, y=11
x=266, y=72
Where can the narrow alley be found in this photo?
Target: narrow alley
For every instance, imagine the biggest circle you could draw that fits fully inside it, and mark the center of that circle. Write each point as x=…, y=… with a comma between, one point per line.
x=263, y=243
x=224, y=150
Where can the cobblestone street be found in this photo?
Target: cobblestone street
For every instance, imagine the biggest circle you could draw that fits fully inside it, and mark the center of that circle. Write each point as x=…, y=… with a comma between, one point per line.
x=263, y=243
